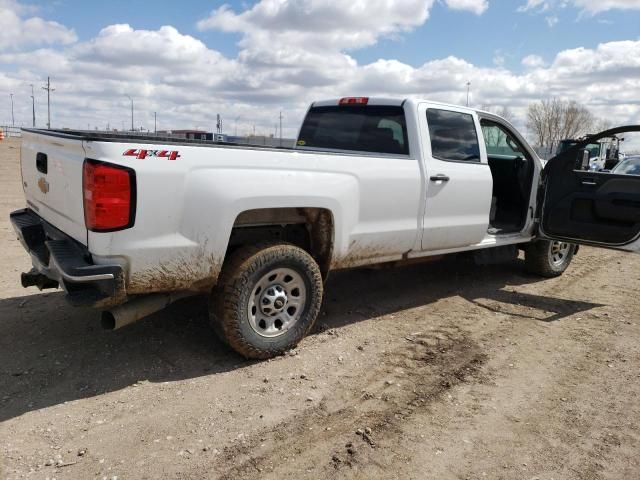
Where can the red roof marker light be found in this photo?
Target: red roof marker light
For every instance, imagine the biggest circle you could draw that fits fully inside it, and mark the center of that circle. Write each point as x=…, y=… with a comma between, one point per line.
x=354, y=101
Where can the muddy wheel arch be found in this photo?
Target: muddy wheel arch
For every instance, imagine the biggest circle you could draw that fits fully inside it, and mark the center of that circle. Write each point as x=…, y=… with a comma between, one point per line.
x=310, y=228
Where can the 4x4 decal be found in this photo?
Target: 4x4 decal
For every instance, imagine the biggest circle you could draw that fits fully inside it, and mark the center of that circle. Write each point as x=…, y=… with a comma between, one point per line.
x=141, y=154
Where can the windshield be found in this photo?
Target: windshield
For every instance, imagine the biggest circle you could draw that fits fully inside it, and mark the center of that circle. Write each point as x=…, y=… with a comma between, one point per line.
x=371, y=128
x=594, y=148
x=630, y=166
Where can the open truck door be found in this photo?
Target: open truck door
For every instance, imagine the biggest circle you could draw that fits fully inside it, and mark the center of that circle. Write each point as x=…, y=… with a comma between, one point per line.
x=590, y=208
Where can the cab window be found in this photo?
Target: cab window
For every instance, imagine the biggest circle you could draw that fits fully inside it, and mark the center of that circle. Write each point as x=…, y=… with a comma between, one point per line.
x=371, y=128
x=499, y=141
x=453, y=136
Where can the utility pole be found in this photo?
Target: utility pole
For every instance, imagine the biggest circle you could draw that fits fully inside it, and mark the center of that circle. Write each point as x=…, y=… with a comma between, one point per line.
x=33, y=106
x=131, y=99
x=49, y=90
x=155, y=123
x=281, y=128
x=13, y=121
x=468, y=89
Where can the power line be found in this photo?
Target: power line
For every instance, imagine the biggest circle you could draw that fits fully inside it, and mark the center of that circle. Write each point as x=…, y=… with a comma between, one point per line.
x=13, y=120
x=33, y=105
x=131, y=99
x=49, y=90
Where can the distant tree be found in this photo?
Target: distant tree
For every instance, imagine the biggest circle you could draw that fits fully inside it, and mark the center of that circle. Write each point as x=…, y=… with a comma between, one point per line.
x=601, y=124
x=504, y=111
x=550, y=121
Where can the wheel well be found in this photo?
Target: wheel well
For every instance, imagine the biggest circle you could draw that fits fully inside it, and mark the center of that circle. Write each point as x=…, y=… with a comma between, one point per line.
x=309, y=228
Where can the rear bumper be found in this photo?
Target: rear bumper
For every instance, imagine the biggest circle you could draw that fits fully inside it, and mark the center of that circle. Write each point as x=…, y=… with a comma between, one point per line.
x=64, y=261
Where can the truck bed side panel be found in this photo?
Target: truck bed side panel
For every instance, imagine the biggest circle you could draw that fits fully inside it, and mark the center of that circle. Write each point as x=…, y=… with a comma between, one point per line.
x=187, y=207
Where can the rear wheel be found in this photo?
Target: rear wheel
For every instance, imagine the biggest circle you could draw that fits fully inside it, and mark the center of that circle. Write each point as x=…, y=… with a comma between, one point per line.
x=548, y=258
x=267, y=299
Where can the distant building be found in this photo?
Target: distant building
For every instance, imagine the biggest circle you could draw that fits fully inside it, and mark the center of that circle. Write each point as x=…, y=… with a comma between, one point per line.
x=265, y=141
x=188, y=134
x=259, y=140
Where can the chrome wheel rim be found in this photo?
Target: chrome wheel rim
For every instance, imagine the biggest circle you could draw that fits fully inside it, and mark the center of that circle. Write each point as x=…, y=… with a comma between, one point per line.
x=277, y=302
x=559, y=252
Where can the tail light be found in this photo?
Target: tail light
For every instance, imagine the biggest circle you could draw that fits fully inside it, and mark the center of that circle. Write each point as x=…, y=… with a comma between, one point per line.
x=354, y=101
x=109, y=196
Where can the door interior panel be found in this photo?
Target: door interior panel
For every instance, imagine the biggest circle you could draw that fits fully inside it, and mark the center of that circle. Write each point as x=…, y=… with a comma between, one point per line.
x=597, y=207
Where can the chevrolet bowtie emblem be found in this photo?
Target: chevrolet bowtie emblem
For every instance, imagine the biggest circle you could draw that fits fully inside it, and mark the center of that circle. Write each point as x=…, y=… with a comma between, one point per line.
x=43, y=185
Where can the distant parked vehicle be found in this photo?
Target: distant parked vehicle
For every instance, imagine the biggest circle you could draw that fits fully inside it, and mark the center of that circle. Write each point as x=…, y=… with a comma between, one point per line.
x=629, y=166
x=604, y=153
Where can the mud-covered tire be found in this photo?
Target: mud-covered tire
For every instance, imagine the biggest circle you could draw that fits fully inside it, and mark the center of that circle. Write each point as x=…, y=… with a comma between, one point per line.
x=234, y=299
x=547, y=258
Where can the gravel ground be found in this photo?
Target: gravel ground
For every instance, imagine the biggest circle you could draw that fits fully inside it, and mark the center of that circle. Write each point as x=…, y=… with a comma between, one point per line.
x=442, y=370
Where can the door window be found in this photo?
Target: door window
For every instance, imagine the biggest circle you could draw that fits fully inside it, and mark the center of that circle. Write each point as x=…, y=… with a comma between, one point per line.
x=453, y=136
x=499, y=141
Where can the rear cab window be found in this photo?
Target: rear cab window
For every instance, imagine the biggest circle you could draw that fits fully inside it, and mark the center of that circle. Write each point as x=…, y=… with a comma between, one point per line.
x=357, y=128
x=453, y=136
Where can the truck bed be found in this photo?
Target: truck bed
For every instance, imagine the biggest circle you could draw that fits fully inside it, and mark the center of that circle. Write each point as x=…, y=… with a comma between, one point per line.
x=92, y=136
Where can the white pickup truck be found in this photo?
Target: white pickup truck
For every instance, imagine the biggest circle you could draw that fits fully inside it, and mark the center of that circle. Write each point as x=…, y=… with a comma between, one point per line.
x=128, y=224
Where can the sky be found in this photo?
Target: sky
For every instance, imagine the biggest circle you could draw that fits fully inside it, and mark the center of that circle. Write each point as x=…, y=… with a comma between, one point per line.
x=249, y=60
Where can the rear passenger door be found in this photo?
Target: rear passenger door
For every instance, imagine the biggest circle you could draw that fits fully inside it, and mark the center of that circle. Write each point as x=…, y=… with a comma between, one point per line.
x=458, y=178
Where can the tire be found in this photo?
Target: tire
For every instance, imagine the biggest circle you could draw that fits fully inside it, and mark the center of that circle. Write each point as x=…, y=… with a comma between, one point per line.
x=548, y=258
x=267, y=299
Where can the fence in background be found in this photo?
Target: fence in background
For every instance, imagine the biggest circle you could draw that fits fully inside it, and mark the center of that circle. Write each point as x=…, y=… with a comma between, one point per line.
x=11, y=132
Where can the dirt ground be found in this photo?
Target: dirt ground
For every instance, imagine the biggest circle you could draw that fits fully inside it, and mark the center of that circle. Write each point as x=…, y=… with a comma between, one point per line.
x=436, y=371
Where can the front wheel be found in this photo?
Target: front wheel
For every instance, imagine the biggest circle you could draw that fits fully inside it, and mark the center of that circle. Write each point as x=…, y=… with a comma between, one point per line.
x=267, y=299
x=548, y=258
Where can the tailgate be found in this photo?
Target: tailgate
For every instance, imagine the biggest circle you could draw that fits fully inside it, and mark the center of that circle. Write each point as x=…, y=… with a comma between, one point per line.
x=52, y=180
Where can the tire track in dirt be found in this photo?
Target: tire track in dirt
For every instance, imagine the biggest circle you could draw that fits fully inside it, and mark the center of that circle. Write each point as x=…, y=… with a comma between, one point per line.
x=560, y=409
x=593, y=263
x=324, y=439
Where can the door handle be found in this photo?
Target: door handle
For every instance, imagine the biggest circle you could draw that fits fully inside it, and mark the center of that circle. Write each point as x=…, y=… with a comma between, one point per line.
x=439, y=178
x=589, y=183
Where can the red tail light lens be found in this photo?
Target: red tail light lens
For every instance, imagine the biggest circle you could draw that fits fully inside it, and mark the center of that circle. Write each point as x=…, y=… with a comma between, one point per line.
x=109, y=196
x=354, y=101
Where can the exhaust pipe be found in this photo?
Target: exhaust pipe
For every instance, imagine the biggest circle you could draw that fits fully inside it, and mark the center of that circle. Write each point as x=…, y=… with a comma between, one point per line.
x=36, y=279
x=138, y=308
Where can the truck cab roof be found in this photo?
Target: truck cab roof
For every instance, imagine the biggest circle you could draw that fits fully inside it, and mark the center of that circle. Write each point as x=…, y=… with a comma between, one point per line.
x=388, y=101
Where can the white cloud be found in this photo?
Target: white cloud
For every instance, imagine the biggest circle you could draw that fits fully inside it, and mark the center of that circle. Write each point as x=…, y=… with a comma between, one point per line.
x=499, y=59
x=541, y=5
x=318, y=24
x=18, y=30
x=588, y=6
x=476, y=6
x=552, y=20
x=533, y=61
x=595, y=6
